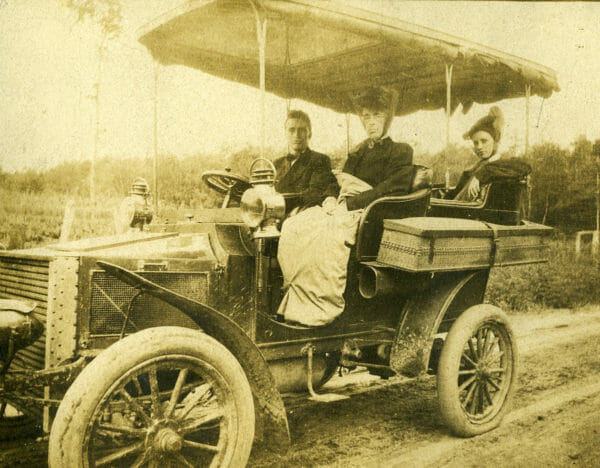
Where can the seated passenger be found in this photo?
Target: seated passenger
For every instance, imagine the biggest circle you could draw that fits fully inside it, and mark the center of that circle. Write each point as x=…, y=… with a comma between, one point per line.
x=474, y=181
x=314, y=246
x=303, y=172
x=378, y=160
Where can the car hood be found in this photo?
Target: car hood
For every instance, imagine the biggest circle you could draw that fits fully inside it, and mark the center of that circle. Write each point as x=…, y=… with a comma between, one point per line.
x=132, y=245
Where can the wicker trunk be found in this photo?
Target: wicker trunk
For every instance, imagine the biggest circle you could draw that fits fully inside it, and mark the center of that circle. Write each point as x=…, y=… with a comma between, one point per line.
x=447, y=244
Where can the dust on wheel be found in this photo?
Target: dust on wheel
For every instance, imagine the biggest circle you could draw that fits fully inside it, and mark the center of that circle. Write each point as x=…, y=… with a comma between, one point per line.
x=165, y=397
x=477, y=371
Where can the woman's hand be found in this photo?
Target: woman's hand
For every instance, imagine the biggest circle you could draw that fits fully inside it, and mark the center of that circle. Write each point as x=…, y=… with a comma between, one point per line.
x=474, y=188
x=329, y=205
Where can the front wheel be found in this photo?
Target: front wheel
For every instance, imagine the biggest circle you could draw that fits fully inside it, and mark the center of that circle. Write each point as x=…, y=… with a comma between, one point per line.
x=163, y=397
x=477, y=371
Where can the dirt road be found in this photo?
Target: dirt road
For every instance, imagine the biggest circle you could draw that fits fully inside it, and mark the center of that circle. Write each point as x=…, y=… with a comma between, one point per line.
x=555, y=419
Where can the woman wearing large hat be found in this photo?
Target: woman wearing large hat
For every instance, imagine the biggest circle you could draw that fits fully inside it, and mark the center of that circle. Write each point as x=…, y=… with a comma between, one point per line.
x=485, y=136
x=379, y=161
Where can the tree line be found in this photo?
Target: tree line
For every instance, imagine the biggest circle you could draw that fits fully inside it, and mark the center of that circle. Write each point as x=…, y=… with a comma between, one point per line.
x=562, y=182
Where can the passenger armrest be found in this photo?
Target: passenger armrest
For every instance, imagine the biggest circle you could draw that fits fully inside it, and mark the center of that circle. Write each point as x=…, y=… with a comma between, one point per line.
x=370, y=227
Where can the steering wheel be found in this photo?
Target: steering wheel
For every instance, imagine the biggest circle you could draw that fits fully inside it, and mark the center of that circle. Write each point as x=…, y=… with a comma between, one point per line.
x=227, y=183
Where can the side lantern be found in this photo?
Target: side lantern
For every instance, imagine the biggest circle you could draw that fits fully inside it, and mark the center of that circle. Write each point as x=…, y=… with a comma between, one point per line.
x=262, y=207
x=135, y=211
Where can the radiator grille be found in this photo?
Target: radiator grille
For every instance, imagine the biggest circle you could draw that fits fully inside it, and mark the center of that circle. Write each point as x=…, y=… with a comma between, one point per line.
x=108, y=295
x=26, y=278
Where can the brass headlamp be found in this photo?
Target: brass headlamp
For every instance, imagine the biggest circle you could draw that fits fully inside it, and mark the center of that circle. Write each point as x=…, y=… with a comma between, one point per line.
x=262, y=207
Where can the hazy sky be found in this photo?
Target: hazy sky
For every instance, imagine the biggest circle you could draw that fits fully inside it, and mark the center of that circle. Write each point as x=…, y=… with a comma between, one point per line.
x=48, y=65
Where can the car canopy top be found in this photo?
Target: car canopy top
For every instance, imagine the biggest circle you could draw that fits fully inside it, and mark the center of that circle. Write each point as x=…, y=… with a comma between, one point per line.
x=326, y=52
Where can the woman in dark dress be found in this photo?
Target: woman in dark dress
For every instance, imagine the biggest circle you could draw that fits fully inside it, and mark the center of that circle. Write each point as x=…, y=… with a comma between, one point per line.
x=378, y=160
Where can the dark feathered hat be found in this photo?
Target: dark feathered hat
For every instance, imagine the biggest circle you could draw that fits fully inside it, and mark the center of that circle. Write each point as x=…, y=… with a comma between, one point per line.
x=491, y=123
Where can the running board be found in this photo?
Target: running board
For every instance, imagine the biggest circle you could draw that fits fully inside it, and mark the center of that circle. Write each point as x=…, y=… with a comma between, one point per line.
x=354, y=383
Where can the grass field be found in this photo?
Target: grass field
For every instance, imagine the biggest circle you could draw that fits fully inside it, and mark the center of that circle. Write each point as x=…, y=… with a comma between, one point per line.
x=28, y=220
x=563, y=282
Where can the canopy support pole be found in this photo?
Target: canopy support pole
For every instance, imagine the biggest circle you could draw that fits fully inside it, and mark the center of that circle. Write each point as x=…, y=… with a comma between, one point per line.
x=527, y=107
x=155, y=136
x=288, y=101
x=449, y=69
x=261, y=39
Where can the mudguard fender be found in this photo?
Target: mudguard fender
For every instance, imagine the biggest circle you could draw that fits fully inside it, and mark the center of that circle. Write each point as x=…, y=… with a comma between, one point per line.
x=432, y=312
x=271, y=418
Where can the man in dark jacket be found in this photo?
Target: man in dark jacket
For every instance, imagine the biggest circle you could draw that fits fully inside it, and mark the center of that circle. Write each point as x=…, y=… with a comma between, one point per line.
x=303, y=175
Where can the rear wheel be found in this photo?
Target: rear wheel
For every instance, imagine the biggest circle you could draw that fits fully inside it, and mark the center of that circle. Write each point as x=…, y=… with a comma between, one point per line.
x=477, y=371
x=166, y=396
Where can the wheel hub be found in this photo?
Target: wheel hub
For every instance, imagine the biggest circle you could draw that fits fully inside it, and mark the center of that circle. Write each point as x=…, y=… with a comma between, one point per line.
x=167, y=440
x=481, y=371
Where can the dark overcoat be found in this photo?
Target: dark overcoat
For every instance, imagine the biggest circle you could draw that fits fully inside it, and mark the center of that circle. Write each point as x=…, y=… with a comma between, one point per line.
x=385, y=165
x=488, y=172
x=310, y=179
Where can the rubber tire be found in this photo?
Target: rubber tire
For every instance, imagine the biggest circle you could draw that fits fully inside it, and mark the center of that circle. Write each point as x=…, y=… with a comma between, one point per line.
x=80, y=401
x=462, y=329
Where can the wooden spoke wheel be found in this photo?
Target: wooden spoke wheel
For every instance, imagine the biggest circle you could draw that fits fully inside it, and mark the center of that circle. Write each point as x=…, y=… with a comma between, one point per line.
x=163, y=397
x=477, y=371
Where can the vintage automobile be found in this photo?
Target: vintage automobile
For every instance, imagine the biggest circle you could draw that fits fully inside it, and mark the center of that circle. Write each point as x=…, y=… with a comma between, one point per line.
x=161, y=345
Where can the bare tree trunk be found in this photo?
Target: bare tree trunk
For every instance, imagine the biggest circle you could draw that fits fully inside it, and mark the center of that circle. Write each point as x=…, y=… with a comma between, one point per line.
x=596, y=237
x=529, y=191
x=598, y=196
x=97, y=120
x=155, y=139
x=545, y=210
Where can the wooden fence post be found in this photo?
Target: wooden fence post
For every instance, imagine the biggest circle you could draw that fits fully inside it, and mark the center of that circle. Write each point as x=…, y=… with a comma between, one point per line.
x=65, y=230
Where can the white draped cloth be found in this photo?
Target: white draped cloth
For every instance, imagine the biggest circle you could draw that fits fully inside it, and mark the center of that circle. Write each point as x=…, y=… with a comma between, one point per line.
x=313, y=254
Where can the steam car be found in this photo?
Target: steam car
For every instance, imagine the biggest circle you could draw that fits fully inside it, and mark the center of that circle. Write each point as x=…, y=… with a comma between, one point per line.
x=161, y=344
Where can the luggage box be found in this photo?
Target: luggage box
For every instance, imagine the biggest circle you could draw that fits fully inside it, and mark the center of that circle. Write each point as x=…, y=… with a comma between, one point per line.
x=449, y=244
